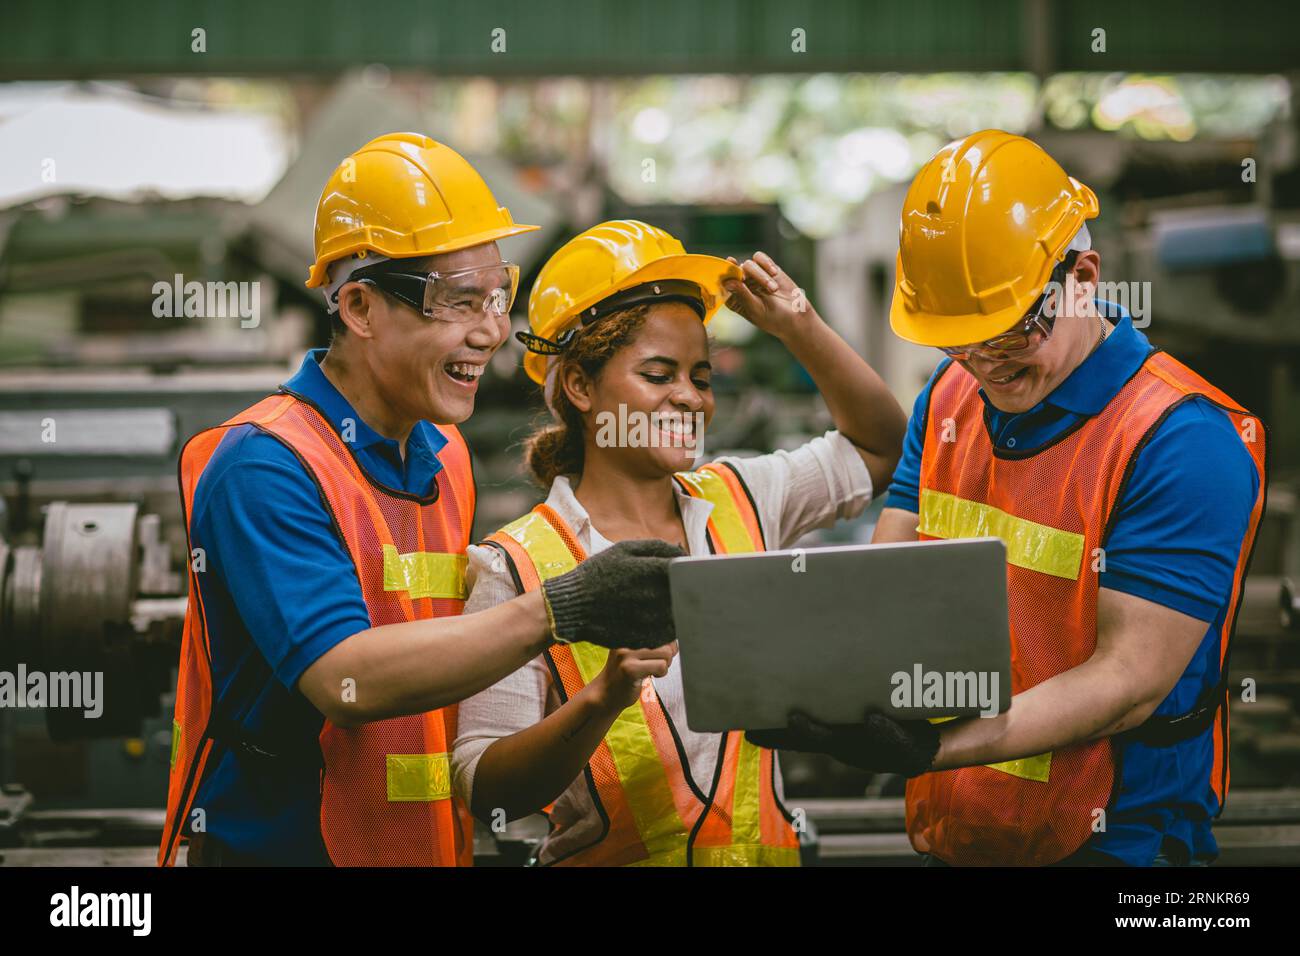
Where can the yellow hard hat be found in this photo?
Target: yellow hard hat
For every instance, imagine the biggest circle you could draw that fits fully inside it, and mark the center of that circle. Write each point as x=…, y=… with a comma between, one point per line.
x=983, y=224
x=405, y=195
x=611, y=258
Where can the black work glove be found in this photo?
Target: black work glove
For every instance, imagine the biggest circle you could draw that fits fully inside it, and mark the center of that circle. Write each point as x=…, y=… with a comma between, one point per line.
x=879, y=744
x=617, y=598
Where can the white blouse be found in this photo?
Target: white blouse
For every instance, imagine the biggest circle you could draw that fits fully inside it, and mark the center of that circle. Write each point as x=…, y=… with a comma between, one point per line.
x=794, y=492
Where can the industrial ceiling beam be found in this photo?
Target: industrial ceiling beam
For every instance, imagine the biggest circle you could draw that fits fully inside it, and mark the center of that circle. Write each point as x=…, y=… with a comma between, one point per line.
x=72, y=39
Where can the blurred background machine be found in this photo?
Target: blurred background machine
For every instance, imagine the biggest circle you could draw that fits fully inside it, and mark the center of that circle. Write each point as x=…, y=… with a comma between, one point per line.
x=129, y=160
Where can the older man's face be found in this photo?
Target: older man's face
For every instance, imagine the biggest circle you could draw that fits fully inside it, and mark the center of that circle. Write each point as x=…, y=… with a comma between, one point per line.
x=429, y=367
x=1017, y=384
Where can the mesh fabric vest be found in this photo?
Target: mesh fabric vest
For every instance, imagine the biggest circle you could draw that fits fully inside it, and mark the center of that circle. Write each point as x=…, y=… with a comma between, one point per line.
x=654, y=814
x=385, y=786
x=1053, y=508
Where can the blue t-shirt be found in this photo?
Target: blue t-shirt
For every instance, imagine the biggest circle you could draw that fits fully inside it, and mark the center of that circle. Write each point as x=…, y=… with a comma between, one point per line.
x=280, y=590
x=1175, y=539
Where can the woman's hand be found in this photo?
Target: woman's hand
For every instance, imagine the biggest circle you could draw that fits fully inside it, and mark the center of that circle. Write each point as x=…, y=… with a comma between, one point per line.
x=619, y=684
x=768, y=297
x=525, y=771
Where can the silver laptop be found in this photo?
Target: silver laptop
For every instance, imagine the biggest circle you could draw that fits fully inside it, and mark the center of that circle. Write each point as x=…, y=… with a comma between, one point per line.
x=917, y=629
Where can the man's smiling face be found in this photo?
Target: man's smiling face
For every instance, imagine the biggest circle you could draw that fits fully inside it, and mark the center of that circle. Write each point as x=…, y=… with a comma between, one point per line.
x=1017, y=383
x=429, y=367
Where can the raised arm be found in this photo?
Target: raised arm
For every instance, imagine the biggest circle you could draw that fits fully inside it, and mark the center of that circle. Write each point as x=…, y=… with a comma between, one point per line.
x=860, y=403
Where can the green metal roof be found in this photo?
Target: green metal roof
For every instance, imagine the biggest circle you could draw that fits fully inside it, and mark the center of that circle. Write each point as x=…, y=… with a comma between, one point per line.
x=85, y=38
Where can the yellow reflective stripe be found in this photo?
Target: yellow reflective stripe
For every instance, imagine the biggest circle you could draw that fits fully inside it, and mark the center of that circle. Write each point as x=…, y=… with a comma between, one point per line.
x=645, y=783
x=1037, y=768
x=418, y=777
x=590, y=659
x=549, y=554
x=744, y=797
x=425, y=574
x=640, y=771
x=750, y=855
x=641, y=774
x=176, y=740
x=673, y=857
x=726, y=517
x=1037, y=547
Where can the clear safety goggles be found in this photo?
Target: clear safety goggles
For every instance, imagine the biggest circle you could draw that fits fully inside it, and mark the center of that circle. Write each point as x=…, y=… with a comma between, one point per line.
x=465, y=295
x=1027, y=335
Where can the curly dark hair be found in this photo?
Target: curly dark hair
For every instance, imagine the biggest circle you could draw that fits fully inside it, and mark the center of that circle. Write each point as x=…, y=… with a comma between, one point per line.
x=557, y=448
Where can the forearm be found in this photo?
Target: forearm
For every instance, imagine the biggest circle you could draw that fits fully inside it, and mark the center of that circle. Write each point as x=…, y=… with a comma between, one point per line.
x=524, y=772
x=861, y=405
x=417, y=666
x=893, y=525
x=1086, y=702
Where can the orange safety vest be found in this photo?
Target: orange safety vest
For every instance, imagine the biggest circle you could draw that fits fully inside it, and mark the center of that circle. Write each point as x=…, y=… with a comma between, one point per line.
x=385, y=786
x=640, y=782
x=1053, y=507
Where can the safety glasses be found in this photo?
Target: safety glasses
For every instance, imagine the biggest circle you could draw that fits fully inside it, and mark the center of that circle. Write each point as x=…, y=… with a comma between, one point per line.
x=465, y=295
x=1021, y=339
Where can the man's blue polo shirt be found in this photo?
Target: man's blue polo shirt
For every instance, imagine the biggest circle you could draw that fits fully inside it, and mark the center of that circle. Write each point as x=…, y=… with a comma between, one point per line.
x=279, y=591
x=1175, y=540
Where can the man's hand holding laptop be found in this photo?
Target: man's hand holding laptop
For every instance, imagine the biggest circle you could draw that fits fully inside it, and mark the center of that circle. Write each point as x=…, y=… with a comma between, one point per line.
x=879, y=744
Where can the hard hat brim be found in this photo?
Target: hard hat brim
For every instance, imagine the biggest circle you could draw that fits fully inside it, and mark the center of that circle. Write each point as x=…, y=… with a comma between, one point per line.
x=950, y=331
x=708, y=272
x=319, y=275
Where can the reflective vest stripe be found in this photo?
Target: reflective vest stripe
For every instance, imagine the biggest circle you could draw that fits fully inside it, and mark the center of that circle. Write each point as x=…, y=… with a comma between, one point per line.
x=385, y=790
x=546, y=553
x=1038, y=767
x=537, y=552
x=1040, y=809
x=418, y=778
x=748, y=785
x=1037, y=547
x=629, y=741
x=644, y=776
x=637, y=757
x=735, y=527
x=425, y=574
x=1030, y=545
x=744, y=808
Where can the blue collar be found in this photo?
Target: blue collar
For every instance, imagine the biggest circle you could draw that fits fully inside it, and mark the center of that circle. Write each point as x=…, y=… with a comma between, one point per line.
x=1100, y=376
x=309, y=381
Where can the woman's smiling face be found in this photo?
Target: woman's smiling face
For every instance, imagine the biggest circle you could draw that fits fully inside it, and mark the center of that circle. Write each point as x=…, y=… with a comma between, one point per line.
x=659, y=385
